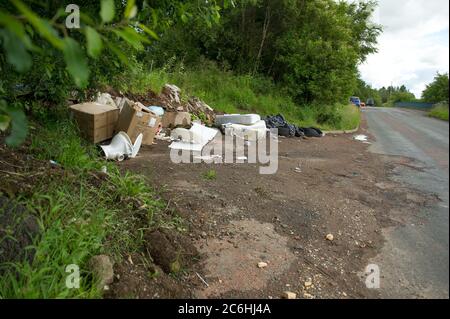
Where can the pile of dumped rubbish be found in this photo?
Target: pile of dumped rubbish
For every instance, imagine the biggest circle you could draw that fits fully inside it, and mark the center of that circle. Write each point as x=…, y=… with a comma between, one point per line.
x=125, y=125
x=287, y=129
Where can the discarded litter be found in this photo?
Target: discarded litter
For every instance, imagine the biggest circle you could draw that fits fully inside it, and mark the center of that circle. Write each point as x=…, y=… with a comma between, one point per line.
x=137, y=145
x=195, y=139
x=243, y=119
x=202, y=280
x=96, y=121
x=162, y=137
x=121, y=147
x=287, y=129
x=54, y=163
x=135, y=119
x=105, y=99
x=252, y=132
x=186, y=136
x=158, y=110
x=361, y=138
x=176, y=119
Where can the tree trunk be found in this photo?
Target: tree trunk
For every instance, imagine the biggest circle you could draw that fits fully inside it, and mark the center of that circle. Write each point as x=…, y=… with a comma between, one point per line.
x=263, y=38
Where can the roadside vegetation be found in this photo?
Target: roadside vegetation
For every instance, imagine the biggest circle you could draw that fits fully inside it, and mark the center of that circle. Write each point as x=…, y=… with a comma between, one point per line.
x=435, y=92
x=229, y=92
x=81, y=212
x=440, y=111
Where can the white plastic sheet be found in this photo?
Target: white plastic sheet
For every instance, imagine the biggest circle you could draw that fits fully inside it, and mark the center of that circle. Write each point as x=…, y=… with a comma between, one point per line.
x=198, y=136
x=242, y=119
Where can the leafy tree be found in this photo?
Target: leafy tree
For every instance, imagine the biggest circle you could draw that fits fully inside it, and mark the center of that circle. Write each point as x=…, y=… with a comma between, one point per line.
x=402, y=96
x=437, y=91
x=310, y=47
x=41, y=57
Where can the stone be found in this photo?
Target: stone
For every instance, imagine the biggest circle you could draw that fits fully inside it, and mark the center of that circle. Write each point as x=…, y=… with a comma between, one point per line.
x=289, y=295
x=308, y=283
x=330, y=237
x=102, y=267
x=262, y=264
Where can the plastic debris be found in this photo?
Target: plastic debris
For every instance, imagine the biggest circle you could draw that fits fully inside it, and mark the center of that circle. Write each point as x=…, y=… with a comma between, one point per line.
x=158, y=110
x=194, y=139
x=361, y=138
x=287, y=129
x=105, y=99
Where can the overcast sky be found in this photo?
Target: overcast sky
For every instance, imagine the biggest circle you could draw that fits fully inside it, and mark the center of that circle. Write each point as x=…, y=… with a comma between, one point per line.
x=414, y=44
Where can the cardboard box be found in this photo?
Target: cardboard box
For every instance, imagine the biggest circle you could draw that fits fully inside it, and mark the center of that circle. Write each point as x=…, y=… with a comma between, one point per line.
x=176, y=119
x=96, y=121
x=134, y=120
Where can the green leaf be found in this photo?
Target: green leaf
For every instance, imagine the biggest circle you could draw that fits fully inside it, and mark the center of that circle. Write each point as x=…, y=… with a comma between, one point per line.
x=94, y=42
x=41, y=25
x=122, y=57
x=107, y=10
x=4, y=122
x=132, y=37
x=16, y=53
x=148, y=31
x=76, y=62
x=130, y=10
x=19, y=127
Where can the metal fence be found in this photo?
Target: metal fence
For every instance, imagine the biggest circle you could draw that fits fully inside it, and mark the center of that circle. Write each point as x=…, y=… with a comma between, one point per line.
x=415, y=105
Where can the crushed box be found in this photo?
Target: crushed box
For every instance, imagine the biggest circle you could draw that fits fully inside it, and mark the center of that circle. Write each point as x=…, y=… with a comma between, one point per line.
x=133, y=120
x=95, y=121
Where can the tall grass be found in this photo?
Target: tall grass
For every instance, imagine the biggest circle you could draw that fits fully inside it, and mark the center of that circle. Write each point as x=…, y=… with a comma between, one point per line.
x=232, y=93
x=440, y=111
x=79, y=217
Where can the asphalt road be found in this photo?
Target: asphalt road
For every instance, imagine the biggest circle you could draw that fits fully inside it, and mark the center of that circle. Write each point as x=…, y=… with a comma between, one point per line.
x=414, y=262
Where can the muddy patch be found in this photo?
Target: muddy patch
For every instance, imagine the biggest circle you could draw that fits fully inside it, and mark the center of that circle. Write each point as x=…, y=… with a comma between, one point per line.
x=232, y=261
x=170, y=250
x=18, y=228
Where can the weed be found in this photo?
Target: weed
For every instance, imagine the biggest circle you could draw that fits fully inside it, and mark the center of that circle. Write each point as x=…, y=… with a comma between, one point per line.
x=210, y=175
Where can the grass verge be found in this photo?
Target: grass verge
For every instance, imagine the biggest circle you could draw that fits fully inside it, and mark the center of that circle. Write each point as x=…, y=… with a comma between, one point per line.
x=81, y=213
x=440, y=111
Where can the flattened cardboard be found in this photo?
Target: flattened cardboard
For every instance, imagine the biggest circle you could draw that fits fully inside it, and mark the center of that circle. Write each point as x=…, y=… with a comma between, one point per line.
x=95, y=121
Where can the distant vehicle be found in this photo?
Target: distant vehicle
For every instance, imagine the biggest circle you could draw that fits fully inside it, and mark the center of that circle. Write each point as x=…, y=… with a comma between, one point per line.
x=355, y=101
x=370, y=102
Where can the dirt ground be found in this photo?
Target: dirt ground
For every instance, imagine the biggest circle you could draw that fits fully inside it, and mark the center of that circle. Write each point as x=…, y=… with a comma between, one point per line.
x=331, y=185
